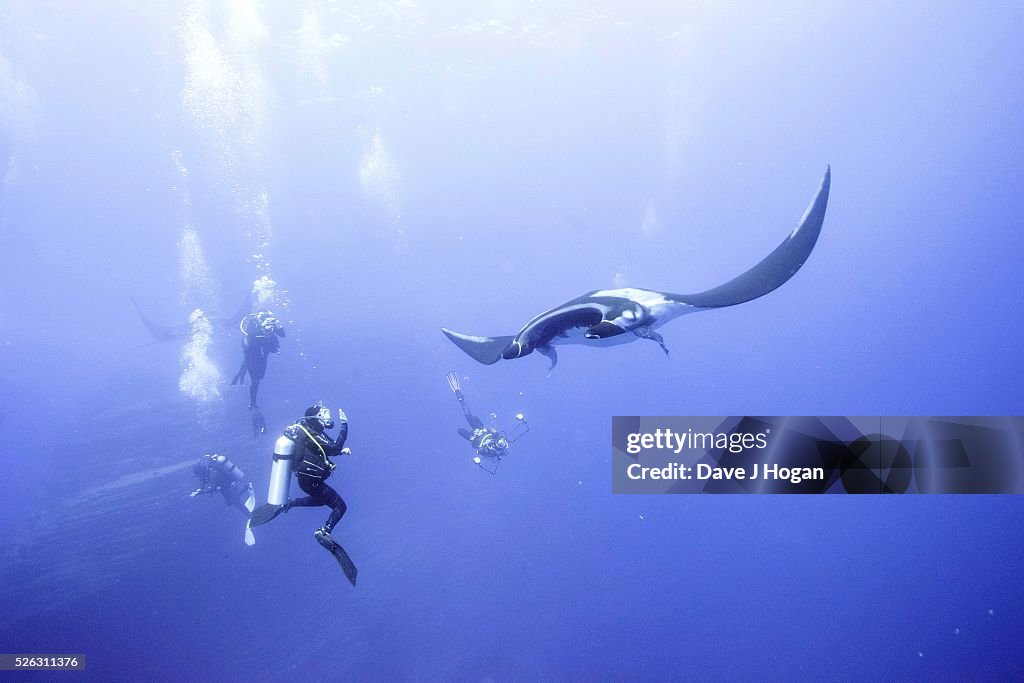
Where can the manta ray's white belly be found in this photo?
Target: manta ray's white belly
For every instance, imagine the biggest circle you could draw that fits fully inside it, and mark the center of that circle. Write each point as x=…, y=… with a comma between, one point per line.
x=663, y=313
x=644, y=297
x=661, y=308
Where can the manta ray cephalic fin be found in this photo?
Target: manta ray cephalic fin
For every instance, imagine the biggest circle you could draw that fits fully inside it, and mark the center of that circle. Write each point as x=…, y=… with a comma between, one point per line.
x=551, y=354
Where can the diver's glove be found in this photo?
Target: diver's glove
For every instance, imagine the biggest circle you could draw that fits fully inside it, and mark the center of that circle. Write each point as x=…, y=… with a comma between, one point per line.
x=342, y=417
x=346, y=451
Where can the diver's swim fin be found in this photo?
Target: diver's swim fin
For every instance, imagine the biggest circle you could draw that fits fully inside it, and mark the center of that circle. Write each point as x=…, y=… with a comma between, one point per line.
x=250, y=540
x=334, y=548
x=453, y=382
x=259, y=425
x=265, y=513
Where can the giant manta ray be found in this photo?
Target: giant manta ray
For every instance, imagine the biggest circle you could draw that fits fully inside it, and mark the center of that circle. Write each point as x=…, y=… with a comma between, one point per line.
x=606, y=317
x=163, y=333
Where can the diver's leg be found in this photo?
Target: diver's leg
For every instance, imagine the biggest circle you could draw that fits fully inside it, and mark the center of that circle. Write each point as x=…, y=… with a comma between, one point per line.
x=465, y=433
x=321, y=494
x=338, y=507
x=239, y=377
x=313, y=489
x=323, y=534
x=304, y=502
x=470, y=417
x=241, y=497
x=474, y=421
x=257, y=364
x=259, y=424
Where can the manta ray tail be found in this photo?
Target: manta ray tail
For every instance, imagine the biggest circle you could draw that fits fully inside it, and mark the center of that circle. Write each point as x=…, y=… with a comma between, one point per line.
x=486, y=350
x=776, y=268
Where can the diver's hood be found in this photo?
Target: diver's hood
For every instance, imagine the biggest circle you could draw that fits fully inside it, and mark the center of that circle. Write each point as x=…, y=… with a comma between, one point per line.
x=321, y=413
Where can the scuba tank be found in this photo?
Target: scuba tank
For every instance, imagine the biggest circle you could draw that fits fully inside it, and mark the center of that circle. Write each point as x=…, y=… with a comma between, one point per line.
x=281, y=470
x=227, y=467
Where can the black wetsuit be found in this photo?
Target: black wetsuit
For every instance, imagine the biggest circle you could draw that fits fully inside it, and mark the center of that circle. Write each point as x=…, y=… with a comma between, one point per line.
x=484, y=439
x=257, y=345
x=312, y=466
x=217, y=475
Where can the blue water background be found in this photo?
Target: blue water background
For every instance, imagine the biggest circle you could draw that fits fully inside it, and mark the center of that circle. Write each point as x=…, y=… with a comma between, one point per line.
x=525, y=154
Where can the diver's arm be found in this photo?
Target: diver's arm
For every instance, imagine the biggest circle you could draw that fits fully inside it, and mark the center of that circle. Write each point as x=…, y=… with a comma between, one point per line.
x=206, y=488
x=336, y=446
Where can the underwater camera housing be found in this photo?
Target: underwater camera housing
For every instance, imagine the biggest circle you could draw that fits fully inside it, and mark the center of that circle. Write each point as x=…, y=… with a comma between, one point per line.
x=490, y=463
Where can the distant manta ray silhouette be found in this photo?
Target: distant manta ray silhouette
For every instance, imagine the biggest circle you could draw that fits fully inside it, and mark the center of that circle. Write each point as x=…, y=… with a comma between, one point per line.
x=608, y=317
x=163, y=333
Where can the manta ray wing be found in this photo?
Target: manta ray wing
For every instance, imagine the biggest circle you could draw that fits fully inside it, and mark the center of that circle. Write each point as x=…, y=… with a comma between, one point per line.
x=486, y=350
x=163, y=333
x=160, y=333
x=232, y=320
x=776, y=268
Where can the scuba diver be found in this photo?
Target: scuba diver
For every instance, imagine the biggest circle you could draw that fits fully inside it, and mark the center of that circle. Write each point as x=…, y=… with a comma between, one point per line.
x=261, y=336
x=216, y=473
x=306, y=450
x=489, y=444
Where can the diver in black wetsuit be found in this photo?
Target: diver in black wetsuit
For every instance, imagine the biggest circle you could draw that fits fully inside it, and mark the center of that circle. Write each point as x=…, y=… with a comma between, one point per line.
x=218, y=474
x=488, y=443
x=312, y=466
x=261, y=336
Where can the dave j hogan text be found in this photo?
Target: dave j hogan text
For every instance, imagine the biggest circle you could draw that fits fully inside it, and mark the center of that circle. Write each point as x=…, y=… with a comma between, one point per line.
x=704, y=472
